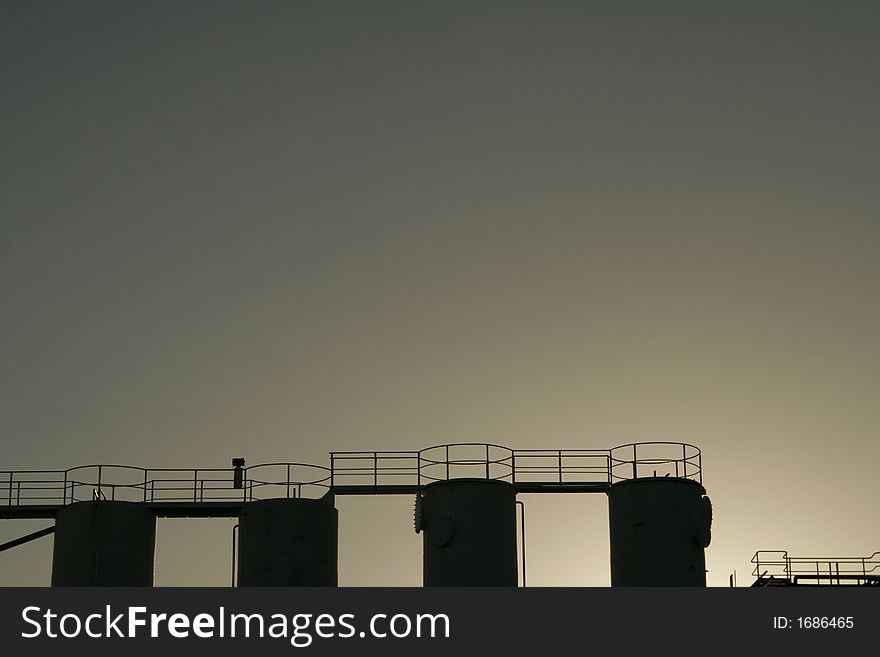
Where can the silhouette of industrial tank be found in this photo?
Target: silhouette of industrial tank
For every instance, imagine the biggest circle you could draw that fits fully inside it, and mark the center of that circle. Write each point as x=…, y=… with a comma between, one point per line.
x=105, y=516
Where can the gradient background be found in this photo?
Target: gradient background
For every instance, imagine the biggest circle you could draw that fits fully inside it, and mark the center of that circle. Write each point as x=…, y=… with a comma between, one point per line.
x=276, y=229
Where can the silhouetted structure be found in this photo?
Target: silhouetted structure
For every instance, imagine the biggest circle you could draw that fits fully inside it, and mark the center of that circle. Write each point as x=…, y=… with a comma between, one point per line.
x=659, y=529
x=288, y=542
x=465, y=507
x=469, y=530
x=777, y=568
x=104, y=543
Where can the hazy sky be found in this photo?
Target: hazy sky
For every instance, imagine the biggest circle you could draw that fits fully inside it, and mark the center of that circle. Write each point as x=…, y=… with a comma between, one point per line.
x=277, y=229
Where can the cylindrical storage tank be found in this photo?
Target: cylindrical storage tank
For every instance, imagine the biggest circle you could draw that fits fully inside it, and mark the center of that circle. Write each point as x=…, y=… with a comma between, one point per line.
x=104, y=543
x=469, y=530
x=659, y=530
x=288, y=542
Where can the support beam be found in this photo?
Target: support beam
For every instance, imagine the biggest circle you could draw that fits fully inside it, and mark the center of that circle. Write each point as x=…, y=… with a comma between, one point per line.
x=27, y=538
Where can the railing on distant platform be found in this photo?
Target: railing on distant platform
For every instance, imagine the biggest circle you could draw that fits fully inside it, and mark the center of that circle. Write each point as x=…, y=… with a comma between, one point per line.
x=777, y=566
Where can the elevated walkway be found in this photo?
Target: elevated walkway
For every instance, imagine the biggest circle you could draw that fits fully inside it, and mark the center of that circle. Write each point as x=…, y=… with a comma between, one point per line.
x=221, y=492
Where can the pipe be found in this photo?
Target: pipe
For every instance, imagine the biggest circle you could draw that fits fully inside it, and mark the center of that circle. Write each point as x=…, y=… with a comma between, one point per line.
x=234, y=537
x=522, y=507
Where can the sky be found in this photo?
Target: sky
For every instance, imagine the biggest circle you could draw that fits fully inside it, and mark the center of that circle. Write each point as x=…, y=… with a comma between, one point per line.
x=279, y=229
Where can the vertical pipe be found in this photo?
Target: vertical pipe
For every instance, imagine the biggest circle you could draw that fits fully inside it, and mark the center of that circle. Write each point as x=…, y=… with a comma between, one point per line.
x=522, y=507
x=234, y=532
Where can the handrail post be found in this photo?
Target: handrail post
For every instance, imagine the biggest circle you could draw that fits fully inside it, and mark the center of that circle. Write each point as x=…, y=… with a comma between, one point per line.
x=635, y=461
x=513, y=466
x=375, y=469
x=195, y=485
x=447, y=462
x=100, y=472
x=332, y=469
x=64, y=490
x=559, y=464
x=288, y=481
x=684, y=462
x=10, y=488
x=487, y=461
x=145, y=486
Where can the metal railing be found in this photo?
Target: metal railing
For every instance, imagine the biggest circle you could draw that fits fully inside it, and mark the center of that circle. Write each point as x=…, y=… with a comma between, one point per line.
x=778, y=565
x=559, y=468
x=655, y=459
x=153, y=485
x=396, y=471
